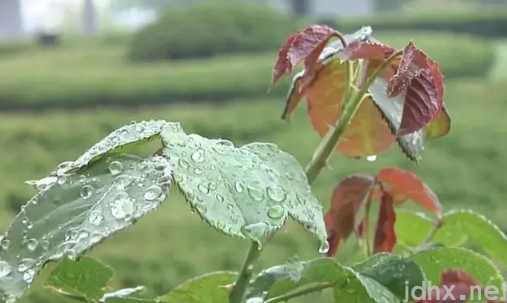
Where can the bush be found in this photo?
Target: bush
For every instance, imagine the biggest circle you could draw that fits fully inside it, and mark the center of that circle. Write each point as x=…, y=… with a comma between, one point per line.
x=485, y=23
x=81, y=77
x=209, y=29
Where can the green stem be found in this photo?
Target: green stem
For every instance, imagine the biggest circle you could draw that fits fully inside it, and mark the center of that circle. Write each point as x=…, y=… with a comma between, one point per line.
x=301, y=292
x=245, y=274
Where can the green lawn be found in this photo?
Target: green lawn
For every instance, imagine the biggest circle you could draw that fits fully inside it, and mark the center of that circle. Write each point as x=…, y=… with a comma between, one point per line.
x=172, y=245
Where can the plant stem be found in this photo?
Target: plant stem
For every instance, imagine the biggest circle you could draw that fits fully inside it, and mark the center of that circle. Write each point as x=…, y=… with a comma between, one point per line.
x=301, y=292
x=245, y=274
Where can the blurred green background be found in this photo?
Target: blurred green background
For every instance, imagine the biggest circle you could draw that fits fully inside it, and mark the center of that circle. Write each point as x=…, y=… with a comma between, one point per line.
x=208, y=65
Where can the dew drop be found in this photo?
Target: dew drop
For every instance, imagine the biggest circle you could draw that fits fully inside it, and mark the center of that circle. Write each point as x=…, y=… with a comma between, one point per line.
x=32, y=244
x=255, y=193
x=197, y=171
x=5, y=269
x=115, y=168
x=203, y=187
x=152, y=193
x=324, y=247
x=219, y=198
x=183, y=163
x=277, y=194
x=44, y=244
x=86, y=191
x=83, y=234
x=29, y=275
x=197, y=156
x=239, y=187
x=276, y=212
x=122, y=206
x=95, y=217
x=221, y=225
x=5, y=244
x=26, y=264
x=371, y=158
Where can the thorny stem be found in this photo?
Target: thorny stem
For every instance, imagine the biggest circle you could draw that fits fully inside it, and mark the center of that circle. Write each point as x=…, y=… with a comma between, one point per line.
x=321, y=156
x=300, y=292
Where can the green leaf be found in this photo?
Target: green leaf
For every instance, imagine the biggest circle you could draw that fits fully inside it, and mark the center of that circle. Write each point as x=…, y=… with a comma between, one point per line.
x=434, y=261
x=480, y=230
x=122, y=294
x=127, y=300
x=391, y=271
x=203, y=289
x=264, y=280
x=247, y=191
x=412, y=228
x=77, y=212
x=86, y=278
x=348, y=285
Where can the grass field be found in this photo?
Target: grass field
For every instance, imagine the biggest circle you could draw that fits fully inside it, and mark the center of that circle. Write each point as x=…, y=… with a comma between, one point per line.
x=172, y=245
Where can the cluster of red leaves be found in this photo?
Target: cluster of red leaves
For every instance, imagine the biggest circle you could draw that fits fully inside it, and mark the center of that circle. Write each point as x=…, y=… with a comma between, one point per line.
x=455, y=283
x=391, y=187
x=412, y=75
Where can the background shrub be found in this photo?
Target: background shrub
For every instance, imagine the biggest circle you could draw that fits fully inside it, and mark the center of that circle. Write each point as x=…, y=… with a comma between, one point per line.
x=209, y=29
x=106, y=78
x=485, y=23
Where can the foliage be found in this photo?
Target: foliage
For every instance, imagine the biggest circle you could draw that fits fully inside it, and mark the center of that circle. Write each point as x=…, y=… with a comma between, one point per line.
x=477, y=21
x=105, y=78
x=249, y=192
x=209, y=29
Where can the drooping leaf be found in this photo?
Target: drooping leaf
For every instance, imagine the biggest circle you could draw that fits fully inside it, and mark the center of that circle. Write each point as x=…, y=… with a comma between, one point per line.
x=77, y=212
x=127, y=300
x=298, y=47
x=86, y=278
x=440, y=126
x=392, y=271
x=405, y=185
x=204, y=289
x=435, y=261
x=412, y=228
x=480, y=230
x=347, y=198
x=420, y=79
x=456, y=286
x=245, y=191
x=385, y=237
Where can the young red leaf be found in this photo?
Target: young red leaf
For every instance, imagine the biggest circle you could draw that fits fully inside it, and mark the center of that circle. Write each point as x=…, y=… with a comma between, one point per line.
x=404, y=185
x=420, y=78
x=297, y=47
x=347, y=198
x=366, y=50
x=455, y=283
x=385, y=236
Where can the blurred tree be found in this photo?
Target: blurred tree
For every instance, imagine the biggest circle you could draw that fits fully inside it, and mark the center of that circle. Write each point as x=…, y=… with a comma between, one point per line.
x=119, y=5
x=90, y=23
x=300, y=7
x=11, y=23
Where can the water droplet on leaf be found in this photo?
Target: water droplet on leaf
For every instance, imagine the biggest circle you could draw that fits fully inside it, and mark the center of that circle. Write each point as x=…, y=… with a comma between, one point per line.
x=122, y=206
x=31, y=244
x=115, y=168
x=95, y=217
x=152, y=193
x=277, y=194
x=5, y=269
x=86, y=191
x=371, y=158
x=255, y=193
x=239, y=187
x=324, y=247
x=276, y=212
x=197, y=156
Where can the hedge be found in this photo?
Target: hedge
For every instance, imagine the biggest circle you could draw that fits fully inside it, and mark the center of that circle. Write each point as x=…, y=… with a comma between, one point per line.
x=486, y=23
x=211, y=28
x=101, y=76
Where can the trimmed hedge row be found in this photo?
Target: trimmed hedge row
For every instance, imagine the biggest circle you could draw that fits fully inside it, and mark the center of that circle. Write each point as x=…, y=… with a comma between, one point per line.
x=78, y=77
x=485, y=23
x=211, y=28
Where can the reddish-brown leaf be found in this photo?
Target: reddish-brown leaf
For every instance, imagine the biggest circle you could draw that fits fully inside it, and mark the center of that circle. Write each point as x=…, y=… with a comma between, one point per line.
x=385, y=236
x=440, y=126
x=347, y=198
x=455, y=283
x=366, y=50
x=368, y=133
x=404, y=185
x=298, y=47
x=421, y=79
